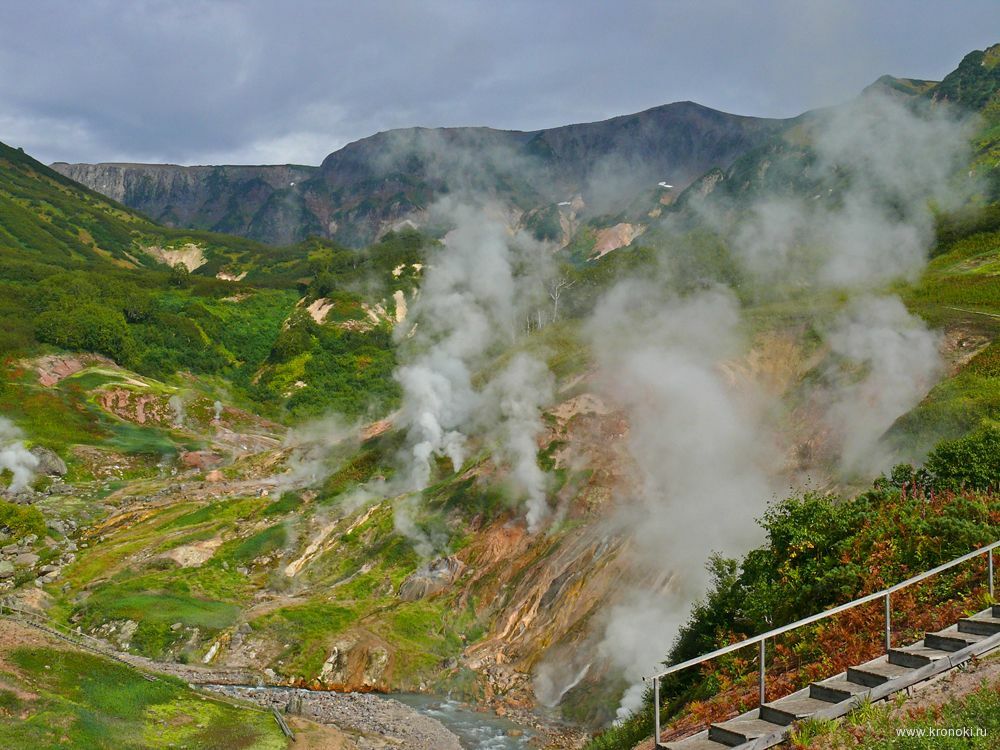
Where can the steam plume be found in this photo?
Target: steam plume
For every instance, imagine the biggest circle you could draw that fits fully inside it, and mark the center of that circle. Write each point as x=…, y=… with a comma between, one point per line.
x=176, y=405
x=472, y=303
x=14, y=457
x=701, y=449
x=900, y=362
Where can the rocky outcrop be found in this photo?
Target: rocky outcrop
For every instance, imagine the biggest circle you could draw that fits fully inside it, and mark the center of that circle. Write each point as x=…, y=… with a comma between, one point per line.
x=259, y=202
x=49, y=463
x=431, y=578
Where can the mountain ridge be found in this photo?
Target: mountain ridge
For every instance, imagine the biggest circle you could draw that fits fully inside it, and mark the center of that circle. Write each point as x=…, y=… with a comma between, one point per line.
x=370, y=185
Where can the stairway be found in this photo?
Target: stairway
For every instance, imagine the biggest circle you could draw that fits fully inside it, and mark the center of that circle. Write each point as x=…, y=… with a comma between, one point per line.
x=901, y=667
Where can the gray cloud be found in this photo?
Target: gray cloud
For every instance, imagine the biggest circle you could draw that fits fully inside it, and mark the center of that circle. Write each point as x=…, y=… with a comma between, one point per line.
x=211, y=82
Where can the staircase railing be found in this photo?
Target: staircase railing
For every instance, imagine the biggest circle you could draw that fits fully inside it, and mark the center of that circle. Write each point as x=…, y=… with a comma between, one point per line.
x=761, y=640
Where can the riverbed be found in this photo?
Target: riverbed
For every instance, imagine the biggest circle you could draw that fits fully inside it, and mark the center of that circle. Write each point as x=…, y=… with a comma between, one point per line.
x=475, y=729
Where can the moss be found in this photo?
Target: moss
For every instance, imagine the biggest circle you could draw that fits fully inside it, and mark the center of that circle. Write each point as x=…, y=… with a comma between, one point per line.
x=89, y=702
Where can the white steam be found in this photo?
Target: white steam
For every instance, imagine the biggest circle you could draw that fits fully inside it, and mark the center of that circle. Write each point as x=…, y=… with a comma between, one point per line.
x=313, y=445
x=899, y=362
x=14, y=457
x=473, y=303
x=176, y=405
x=707, y=454
x=513, y=402
x=702, y=449
x=888, y=164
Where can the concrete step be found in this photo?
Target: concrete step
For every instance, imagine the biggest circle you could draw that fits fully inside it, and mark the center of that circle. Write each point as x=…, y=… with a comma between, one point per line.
x=790, y=709
x=737, y=731
x=697, y=742
x=979, y=624
x=876, y=671
x=952, y=639
x=836, y=689
x=916, y=656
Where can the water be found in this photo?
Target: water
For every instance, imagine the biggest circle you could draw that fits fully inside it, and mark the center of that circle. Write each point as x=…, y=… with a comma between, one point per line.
x=475, y=730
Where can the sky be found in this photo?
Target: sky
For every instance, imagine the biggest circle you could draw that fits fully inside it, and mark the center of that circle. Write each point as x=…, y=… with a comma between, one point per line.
x=258, y=81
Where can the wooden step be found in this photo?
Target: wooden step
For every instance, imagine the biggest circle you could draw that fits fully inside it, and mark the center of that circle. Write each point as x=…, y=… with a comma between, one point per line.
x=952, y=639
x=835, y=690
x=979, y=624
x=916, y=656
x=877, y=671
x=737, y=731
x=697, y=742
x=790, y=709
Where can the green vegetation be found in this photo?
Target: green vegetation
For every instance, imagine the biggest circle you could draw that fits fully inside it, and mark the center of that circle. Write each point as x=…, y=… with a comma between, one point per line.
x=75, y=274
x=893, y=726
x=19, y=521
x=823, y=550
x=83, y=701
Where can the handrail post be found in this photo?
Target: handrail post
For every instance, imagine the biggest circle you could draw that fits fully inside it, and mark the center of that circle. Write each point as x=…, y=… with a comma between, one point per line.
x=888, y=623
x=656, y=713
x=761, y=688
x=990, y=554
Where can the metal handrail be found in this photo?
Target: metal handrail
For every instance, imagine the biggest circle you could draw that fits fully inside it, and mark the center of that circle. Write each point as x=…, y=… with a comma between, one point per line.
x=761, y=639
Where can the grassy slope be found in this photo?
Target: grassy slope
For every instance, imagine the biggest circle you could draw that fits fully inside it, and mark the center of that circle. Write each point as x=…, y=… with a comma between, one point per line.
x=233, y=342
x=56, y=697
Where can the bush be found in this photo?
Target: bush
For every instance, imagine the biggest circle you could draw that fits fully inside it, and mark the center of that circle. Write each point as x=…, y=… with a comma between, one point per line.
x=972, y=462
x=89, y=327
x=21, y=520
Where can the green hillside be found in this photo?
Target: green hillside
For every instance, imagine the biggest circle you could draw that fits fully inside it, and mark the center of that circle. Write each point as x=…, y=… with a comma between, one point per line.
x=203, y=517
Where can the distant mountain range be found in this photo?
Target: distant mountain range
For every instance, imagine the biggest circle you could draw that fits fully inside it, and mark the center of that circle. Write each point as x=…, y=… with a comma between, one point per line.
x=380, y=182
x=608, y=171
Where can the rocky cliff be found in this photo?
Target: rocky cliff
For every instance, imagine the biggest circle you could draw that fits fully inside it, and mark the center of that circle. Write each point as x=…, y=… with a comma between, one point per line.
x=260, y=202
x=379, y=182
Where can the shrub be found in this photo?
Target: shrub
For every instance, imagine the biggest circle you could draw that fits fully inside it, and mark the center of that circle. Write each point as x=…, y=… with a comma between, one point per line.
x=89, y=327
x=21, y=520
x=971, y=462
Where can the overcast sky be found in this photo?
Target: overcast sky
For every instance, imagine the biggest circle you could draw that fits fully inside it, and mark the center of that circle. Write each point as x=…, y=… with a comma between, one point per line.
x=195, y=82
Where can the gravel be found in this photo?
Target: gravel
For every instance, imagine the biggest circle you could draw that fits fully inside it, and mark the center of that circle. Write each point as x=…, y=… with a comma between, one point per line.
x=397, y=724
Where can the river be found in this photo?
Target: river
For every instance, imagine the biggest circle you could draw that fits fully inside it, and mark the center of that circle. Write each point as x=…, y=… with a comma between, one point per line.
x=475, y=729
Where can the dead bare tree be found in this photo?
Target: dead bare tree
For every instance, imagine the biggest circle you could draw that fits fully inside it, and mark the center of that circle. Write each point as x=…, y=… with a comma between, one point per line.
x=555, y=288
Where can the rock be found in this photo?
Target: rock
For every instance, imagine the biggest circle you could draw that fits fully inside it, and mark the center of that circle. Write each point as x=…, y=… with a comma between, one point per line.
x=6, y=569
x=45, y=569
x=214, y=476
x=49, y=462
x=200, y=459
x=177, y=626
x=244, y=628
x=10, y=549
x=431, y=578
x=29, y=540
x=26, y=559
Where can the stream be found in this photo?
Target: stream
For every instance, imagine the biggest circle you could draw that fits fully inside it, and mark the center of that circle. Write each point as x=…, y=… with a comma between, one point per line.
x=476, y=730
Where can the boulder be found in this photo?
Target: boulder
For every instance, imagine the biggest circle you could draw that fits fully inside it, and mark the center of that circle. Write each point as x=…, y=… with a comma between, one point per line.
x=431, y=578
x=200, y=459
x=6, y=569
x=49, y=462
x=26, y=559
